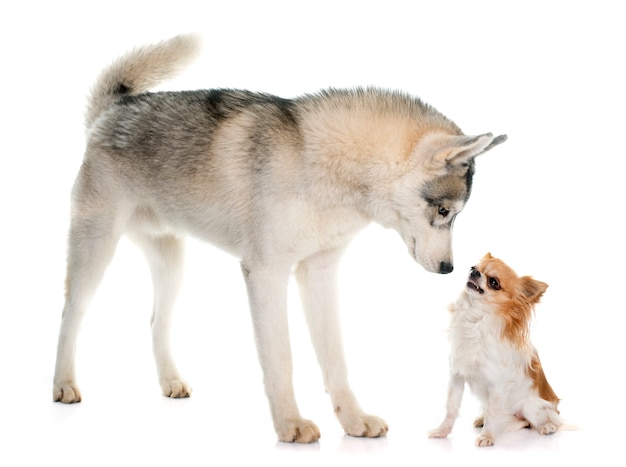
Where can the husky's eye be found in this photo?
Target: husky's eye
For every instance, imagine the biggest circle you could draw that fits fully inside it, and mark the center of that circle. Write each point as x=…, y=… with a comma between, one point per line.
x=443, y=211
x=494, y=283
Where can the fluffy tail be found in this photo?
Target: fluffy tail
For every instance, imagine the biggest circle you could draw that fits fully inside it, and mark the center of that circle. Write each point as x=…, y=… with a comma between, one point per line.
x=139, y=70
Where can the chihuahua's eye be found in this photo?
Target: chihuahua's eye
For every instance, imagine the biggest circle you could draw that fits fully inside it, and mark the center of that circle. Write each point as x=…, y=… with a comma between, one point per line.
x=443, y=211
x=494, y=283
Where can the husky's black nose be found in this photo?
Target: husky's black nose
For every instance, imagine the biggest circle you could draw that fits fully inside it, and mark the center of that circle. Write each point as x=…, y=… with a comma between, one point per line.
x=474, y=274
x=445, y=268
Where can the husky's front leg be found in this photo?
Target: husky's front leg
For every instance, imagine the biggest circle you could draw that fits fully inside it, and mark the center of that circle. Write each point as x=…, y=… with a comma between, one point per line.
x=267, y=292
x=317, y=280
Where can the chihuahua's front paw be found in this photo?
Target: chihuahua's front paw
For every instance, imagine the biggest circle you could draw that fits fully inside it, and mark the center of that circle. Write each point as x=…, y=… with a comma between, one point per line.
x=484, y=440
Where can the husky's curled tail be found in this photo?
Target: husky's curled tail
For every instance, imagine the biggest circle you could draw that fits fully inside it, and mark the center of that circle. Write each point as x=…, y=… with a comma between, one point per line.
x=140, y=70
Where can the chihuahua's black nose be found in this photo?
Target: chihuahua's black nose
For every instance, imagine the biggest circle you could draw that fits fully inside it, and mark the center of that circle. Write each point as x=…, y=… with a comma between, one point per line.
x=445, y=268
x=475, y=274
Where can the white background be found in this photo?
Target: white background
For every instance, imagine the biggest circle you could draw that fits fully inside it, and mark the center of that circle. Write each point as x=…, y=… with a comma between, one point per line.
x=549, y=201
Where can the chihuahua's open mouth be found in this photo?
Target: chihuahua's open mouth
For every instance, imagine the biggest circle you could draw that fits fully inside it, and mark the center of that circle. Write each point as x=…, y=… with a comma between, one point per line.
x=474, y=286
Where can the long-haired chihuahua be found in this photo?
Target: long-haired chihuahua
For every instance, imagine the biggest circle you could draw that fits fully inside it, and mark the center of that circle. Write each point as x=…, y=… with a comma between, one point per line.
x=491, y=351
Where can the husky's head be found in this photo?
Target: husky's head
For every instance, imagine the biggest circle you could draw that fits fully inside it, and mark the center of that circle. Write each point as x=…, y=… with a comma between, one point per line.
x=426, y=199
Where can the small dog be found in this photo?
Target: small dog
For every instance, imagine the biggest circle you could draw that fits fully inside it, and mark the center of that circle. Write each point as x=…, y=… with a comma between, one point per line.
x=282, y=184
x=492, y=352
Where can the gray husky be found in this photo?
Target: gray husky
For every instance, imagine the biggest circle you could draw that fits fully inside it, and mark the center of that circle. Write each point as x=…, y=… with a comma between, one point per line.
x=283, y=184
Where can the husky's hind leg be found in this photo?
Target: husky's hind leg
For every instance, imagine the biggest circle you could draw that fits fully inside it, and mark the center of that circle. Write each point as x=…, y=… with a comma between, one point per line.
x=92, y=242
x=317, y=280
x=165, y=257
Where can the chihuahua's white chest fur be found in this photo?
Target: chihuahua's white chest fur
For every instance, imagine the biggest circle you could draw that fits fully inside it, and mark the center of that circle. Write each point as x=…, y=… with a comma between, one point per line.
x=478, y=354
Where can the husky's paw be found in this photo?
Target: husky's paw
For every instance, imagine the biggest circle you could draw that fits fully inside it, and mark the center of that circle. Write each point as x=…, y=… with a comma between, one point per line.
x=364, y=426
x=176, y=388
x=547, y=429
x=298, y=431
x=67, y=392
x=479, y=422
x=484, y=440
x=441, y=432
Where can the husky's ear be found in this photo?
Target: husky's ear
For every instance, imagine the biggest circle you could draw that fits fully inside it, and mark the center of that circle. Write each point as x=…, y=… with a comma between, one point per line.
x=444, y=150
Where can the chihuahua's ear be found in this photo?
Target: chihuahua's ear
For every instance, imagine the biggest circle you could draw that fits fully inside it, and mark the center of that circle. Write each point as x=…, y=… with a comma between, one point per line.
x=440, y=150
x=488, y=256
x=532, y=289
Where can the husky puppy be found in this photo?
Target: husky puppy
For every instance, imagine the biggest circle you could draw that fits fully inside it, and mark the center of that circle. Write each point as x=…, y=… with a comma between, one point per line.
x=492, y=352
x=283, y=184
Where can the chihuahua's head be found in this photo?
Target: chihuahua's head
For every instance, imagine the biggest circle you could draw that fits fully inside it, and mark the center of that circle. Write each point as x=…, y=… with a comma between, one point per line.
x=496, y=286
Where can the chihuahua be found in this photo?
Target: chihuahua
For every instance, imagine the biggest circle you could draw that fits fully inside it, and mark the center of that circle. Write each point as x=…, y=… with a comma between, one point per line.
x=492, y=352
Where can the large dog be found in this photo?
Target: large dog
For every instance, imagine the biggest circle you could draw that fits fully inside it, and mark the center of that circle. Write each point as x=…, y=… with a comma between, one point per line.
x=277, y=182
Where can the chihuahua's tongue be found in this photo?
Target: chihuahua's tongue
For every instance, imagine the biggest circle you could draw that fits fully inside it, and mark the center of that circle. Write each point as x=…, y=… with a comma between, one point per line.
x=475, y=287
